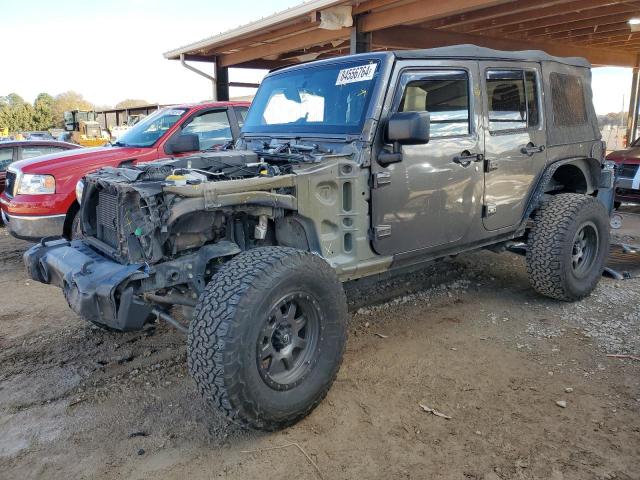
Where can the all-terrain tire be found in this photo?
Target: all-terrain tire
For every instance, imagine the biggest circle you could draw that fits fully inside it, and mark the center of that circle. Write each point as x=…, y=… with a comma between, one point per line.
x=229, y=323
x=552, y=258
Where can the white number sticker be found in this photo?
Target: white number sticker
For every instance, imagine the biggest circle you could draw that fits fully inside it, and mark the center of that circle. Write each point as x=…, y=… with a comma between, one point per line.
x=356, y=74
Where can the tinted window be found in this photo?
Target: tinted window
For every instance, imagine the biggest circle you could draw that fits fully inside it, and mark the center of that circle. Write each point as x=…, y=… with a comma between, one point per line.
x=212, y=129
x=445, y=95
x=567, y=94
x=513, y=100
x=35, y=151
x=6, y=157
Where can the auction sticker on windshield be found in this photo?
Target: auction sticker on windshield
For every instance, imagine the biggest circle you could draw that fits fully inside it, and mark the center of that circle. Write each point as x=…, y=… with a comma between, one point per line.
x=356, y=74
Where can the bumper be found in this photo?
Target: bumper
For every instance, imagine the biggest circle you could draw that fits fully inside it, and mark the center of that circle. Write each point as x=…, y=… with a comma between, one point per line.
x=34, y=227
x=95, y=287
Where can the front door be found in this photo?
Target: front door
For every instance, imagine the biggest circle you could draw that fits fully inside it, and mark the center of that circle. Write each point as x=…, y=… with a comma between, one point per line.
x=514, y=140
x=432, y=197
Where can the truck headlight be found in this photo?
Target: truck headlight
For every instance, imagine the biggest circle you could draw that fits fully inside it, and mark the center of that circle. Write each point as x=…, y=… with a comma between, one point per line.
x=36, y=184
x=79, y=190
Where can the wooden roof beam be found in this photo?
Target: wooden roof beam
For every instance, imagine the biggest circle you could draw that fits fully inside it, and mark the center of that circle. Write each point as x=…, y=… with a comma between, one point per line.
x=627, y=10
x=487, y=14
x=571, y=26
x=266, y=36
x=615, y=28
x=297, y=42
x=411, y=37
x=369, y=5
x=612, y=42
x=570, y=8
x=612, y=38
x=421, y=11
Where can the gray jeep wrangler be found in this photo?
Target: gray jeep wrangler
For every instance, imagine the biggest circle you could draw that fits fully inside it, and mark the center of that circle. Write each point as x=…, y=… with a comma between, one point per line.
x=346, y=168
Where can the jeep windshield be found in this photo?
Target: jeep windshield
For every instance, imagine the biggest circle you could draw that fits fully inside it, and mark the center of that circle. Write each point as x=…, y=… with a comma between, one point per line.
x=147, y=131
x=324, y=99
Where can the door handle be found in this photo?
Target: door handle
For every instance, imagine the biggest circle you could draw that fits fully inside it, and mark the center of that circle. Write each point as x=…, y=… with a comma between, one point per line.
x=531, y=149
x=466, y=157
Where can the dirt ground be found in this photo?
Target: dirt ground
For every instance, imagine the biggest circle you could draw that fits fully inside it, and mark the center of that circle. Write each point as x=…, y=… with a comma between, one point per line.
x=466, y=337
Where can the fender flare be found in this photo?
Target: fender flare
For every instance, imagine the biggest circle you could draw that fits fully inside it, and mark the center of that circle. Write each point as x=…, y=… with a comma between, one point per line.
x=590, y=168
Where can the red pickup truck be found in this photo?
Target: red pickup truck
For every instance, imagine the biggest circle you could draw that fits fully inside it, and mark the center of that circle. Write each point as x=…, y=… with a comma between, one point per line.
x=628, y=184
x=40, y=194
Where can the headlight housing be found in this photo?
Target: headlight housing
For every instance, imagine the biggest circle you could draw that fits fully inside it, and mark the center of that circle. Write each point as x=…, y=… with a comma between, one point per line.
x=79, y=190
x=36, y=184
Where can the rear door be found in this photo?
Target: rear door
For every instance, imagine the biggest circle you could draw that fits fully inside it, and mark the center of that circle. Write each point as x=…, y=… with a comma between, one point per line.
x=433, y=195
x=515, y=139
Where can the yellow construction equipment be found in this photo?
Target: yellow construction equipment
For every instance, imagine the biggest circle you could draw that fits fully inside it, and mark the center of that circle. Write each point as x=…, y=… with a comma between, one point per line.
x=84, y=129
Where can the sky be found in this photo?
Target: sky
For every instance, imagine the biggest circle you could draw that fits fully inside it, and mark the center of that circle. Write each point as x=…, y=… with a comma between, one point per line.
x=111, y=50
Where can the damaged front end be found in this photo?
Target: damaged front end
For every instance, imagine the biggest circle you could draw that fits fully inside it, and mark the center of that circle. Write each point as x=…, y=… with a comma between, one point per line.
x=148, y=246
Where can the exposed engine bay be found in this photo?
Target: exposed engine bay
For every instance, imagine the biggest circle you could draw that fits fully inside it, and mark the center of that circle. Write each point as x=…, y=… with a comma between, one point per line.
x=154, y=234
x=150, y=212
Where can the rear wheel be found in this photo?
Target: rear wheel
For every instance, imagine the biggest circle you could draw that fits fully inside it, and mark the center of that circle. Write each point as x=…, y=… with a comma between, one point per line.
x=568, y=246
x=268, y=335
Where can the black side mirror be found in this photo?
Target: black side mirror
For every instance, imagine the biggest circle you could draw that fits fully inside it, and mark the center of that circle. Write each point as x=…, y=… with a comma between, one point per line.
x=405, y=128
x=186, y=142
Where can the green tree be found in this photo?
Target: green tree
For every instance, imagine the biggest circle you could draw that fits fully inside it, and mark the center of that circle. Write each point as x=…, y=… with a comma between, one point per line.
x=67, y=101
x=43, y=112
x=15, y=113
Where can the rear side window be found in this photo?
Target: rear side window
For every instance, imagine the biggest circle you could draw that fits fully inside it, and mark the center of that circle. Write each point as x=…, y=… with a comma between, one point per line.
x=445, y=95
x=513, y=100
x=30, y=152
x=567, y=94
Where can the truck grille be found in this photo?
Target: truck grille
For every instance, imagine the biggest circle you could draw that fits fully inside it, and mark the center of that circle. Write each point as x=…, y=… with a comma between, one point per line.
x=10, y=183
x=629, y=170
x=106, y=219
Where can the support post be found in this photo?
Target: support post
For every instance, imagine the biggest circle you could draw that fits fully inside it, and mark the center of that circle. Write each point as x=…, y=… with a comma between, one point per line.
x=634, y=106
x=360, y=42
x=222, y=83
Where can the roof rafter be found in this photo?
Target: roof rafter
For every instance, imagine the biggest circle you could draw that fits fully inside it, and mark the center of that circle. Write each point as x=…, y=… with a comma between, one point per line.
x=411, y=37
x=534, y=23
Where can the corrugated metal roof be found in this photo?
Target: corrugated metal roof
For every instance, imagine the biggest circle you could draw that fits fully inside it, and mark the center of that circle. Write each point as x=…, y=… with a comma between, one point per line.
x=255, y=27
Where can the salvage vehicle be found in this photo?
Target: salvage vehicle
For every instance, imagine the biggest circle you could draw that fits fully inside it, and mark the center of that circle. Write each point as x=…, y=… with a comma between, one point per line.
x=12, y=151
x=628, y=183
x=346, y=168
x=40, y=198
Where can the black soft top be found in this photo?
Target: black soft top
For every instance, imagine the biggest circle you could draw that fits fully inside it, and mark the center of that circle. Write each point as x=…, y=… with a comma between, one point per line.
x=474, y=52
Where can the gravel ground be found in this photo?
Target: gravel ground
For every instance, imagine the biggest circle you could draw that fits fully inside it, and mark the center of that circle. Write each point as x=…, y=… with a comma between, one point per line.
x=526, y=381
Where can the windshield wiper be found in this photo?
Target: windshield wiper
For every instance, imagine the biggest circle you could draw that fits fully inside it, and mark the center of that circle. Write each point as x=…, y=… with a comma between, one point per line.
x=119, y=144
x=291, y=152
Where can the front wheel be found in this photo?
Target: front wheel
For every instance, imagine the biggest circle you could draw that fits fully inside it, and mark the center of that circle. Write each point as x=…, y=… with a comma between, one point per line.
x=268, y=335
x=568, y=246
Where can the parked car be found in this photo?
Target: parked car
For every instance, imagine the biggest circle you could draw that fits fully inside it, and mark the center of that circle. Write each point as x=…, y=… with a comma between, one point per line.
x=347, y=168
x=12, y=151
x=38, y=136
x=628, y=162
x=40, y=196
